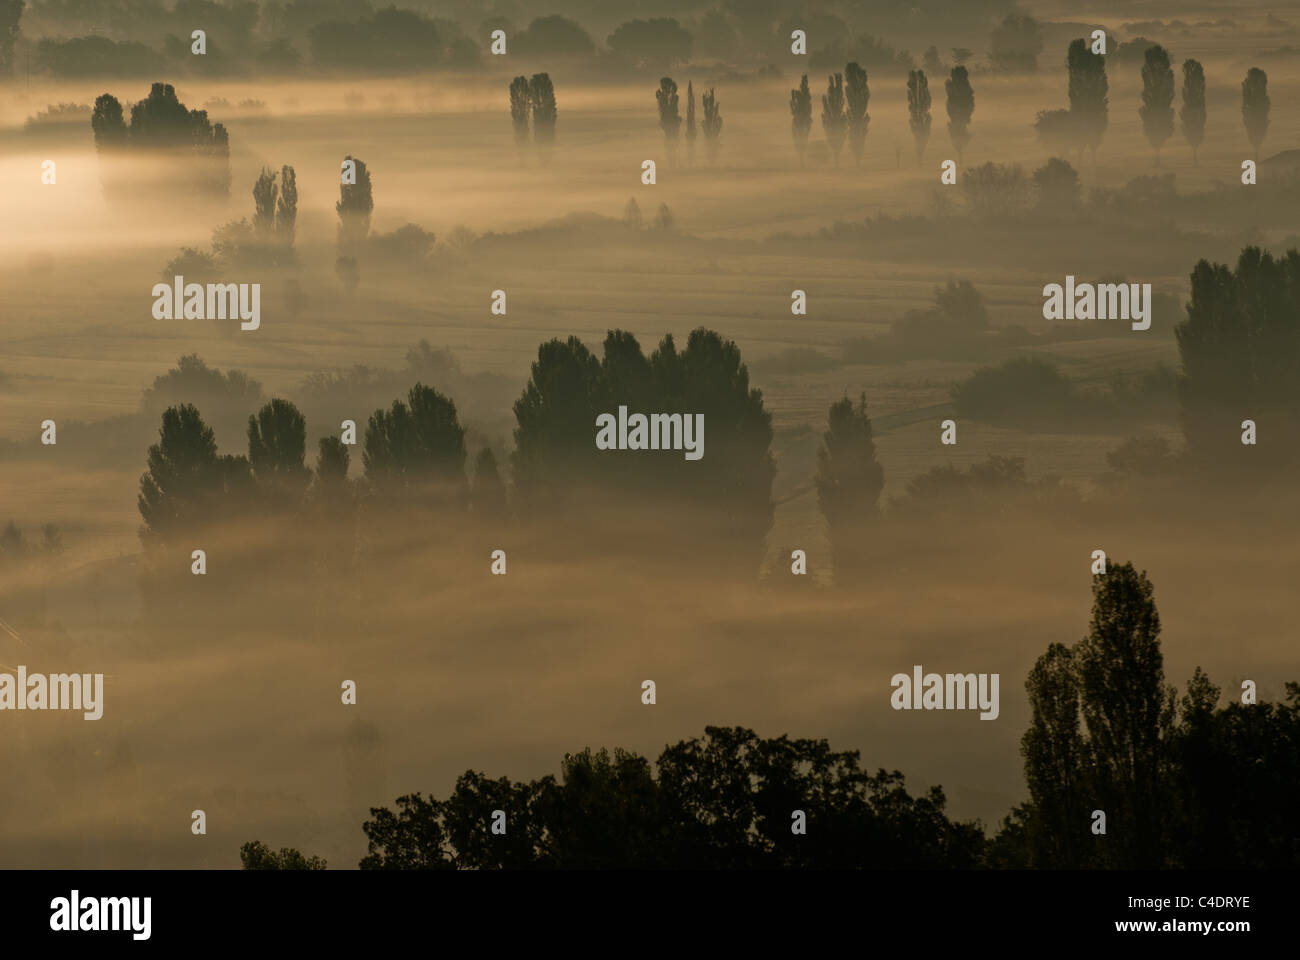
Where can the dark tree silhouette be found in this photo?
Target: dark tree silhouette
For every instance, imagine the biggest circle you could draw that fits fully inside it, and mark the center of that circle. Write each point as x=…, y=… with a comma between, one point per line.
x=856, y=97
x=723, y=801
x=265, y=193
x=556, y=416
x=521, y=107
x=1128, y=710
x=286, y=211
x=1157, y=111
x=690, y=124
x=1254, y=107
x=918, y=110
x=1056, y=764
x=488, y=497
x=1016, y=43
x=256, y=855
x=834, y=120
x=332, y=462
x=355, y=205
x=108, y=123
x=277, y=446
x=712, y=125
x=849, y=481
x=961, y=106
x=801, y=117
x=1057, y=184
x=670, y=121
x=1089, y=102
x=184, y=478
x=1241, y=358
x=660, y=42
x=11, y=12
x=1192, y=113
x=417, y=448
x=541, y=92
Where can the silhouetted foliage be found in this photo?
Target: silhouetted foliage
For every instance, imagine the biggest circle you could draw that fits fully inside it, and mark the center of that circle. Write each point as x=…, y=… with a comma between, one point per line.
x=1022, y=390
x=1254, y=107
x=856, y=97
x=520, y=109
x=961, y=106
x=555, y=456
x=553, y=36
x=1057, y=185
x=1157, y=109
x=834, y=120
x=657, y=42
x=256, y=855
x=277, y=447
x=712, y=125
x=541, y=93
x=1088, y=89
x=1015, y=43
x=801, y=117
x=691, y=132
x=1192, y=113
x=918, y=110
x=417, y=449
x=670, y=121
x=1240, y=350
x=355, y=205
x=849, y=480
x=723, y=801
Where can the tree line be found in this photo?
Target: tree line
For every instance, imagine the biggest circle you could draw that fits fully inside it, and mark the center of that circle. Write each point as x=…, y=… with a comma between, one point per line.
x=1121, y=774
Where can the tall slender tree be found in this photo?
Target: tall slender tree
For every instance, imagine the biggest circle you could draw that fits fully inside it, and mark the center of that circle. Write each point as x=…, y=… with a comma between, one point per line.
x=690, y=124
x=961, y=106
x=1128, y=712
x=542, y=94
x=1157, y=110
x=670, y=120
x=1192, y=114
x=277, y=446
x=265, y=193
x=1088, y=91
x=521, y=108
x=1254, y=107
x=712, y=125
x=355, y=205
x=801, y=117
x=286, y=211
x=918, y=110
x=1055, y=752
x=856, y=96
x=834, y=120
x=849, y=481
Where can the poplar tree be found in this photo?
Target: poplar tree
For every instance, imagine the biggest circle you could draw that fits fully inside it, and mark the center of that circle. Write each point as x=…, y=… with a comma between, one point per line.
x=801, y=117
x=918, y=110
x=1157, y=110
x=690, y=123
x=670, y=120
x=834, y=121
x=1192, y=114
x=849, y=481
x=521, y=107
x=1089, y=103
x=542, y=96
x=961, y=105
x=1254, y=107
x=856, y=96
x=712, y=123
